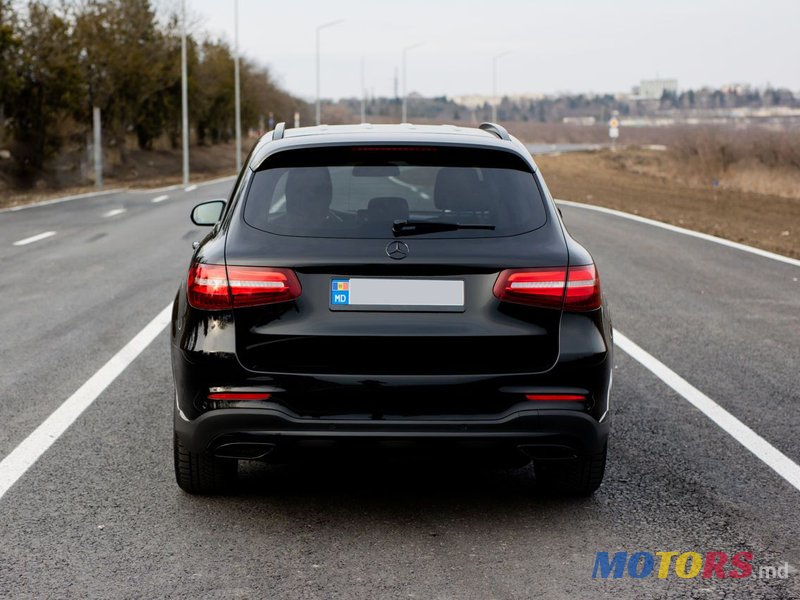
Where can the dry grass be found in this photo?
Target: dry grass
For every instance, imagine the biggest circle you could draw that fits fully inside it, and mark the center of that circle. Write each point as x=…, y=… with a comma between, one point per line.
x=751, y=160
x=144, y=169
x=636, y=181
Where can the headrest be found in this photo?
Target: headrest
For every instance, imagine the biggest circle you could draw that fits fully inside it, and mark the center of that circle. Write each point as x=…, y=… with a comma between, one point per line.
x=310, y=185
x=458, y=189
x=387, y=209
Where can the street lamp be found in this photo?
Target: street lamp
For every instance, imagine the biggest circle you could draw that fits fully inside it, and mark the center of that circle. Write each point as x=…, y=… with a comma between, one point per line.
x=363, y=94
x=319, y=28
x=495, y=58
x=405, y=95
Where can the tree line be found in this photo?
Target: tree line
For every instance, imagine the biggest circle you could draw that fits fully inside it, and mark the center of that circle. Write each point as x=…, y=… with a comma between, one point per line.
x=58, y=61
x=553, y=109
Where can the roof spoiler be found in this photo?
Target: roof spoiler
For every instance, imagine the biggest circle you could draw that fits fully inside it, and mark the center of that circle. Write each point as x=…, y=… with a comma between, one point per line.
x=496, y=129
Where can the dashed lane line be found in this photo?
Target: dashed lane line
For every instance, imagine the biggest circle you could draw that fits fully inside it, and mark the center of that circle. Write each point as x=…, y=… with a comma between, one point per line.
x=34, y=238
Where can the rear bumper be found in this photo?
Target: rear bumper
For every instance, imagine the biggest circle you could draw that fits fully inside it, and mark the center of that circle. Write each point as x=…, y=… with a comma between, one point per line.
x=455, y=410
x=255, y=433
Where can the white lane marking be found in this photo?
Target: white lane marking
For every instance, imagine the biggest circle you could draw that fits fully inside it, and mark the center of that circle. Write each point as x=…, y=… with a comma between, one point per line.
x=703, y=236
x=108, y=192
x=14, y=466
x=761, y=448
x=158, y=199
x=217, y=180
x=191, y=188
x=35, y=238
x=114, y=212
x=178, y=186
x=62, y=199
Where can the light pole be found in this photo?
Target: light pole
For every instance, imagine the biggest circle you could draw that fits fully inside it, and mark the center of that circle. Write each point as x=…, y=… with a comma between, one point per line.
x=237, y=91
x=495, y=58
x=184, y=97
x=319, y=28
x=363, y=94
x=405, y=95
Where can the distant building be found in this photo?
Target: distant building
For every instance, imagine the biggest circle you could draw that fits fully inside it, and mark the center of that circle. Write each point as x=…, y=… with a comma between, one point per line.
x=738, y=89
x=653, y=89
x=585, y=121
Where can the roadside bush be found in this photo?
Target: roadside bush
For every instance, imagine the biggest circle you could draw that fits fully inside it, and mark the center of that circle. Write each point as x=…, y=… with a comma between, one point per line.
x=715, y=150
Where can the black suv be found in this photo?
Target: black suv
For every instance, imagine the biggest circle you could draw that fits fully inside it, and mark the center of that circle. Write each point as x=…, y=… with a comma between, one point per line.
x=385, y=286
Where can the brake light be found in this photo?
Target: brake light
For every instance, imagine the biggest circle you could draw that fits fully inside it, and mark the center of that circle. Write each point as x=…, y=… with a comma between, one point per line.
x=207, y=287
x=546, y=287
x=252, y=286
x=583, y=288
x=542, y=287
x=212, y=287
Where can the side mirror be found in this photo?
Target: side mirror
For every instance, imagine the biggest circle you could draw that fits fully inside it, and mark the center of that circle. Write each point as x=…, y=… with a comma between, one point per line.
x=208, y=213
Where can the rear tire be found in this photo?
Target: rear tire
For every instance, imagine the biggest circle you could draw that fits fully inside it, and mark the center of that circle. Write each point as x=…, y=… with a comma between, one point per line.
x=202, y=473
x=579, y=477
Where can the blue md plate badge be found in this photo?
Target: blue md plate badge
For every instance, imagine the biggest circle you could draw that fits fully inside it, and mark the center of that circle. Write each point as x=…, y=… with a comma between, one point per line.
x=340, y=291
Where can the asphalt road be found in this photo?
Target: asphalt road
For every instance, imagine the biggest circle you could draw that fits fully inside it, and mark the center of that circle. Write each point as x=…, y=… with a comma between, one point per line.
x=99, y=514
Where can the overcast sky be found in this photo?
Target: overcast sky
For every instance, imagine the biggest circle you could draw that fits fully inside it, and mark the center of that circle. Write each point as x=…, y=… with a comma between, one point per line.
x=553, y=45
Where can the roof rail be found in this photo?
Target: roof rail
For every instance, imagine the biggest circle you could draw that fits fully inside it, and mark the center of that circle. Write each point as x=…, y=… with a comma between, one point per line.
x=496, y=129
x=277, y=133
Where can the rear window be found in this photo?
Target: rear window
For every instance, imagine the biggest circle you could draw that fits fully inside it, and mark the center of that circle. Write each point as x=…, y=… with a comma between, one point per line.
x=359, y=192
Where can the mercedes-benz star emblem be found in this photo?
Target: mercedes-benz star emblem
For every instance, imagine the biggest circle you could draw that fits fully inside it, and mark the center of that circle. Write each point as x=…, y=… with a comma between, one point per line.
x=397, y=250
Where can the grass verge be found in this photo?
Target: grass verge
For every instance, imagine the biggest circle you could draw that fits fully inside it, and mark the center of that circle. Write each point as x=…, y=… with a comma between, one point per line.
x=612, y=179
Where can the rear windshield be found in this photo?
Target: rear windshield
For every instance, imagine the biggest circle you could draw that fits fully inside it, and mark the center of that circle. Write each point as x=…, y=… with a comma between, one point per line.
x=359, y=192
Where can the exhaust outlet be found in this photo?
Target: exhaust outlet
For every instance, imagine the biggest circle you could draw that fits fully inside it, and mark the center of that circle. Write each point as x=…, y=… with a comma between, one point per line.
x=244, y=450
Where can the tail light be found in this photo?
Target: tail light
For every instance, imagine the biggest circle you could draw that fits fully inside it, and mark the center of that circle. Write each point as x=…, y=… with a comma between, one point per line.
x=542, y=287
x=212, y=287
x=252, y=286
x=583, y=288
x=574, y=288
x=207, y=287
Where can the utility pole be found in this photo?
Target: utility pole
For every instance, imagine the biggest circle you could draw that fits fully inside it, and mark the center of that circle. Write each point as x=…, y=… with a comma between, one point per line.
x=184, y=97
x=363, y=94
x=319, y=28
x=237, y=91
x=98, y=148
x=495, y=58
x=404, y=118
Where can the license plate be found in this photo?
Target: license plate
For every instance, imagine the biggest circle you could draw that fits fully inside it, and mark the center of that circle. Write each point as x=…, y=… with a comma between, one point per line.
x=363, y=293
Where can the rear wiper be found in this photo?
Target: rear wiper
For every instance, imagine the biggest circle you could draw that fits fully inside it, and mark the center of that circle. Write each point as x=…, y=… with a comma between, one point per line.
x=415, y=227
